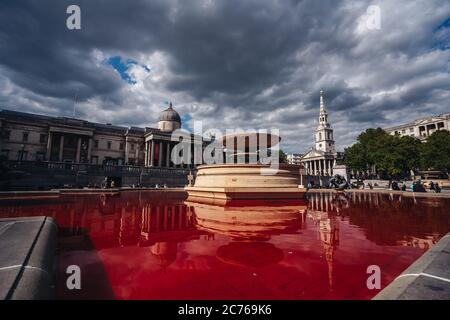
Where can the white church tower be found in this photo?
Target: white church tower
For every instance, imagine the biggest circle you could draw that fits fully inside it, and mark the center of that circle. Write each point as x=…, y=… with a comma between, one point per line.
x=324, y=132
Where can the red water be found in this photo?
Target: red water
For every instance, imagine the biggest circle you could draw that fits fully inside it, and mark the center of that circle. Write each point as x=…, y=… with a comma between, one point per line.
x=144, y=245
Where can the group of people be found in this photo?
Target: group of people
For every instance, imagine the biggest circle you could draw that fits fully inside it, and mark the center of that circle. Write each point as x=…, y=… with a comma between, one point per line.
x=435, y=187
x=416, y=186
x=340, y=183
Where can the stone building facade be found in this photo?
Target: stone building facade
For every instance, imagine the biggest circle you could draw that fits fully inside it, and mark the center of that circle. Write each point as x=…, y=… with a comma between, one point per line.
x=41, y=152
x=422, y=128
x=294, y=158
x=31, y=137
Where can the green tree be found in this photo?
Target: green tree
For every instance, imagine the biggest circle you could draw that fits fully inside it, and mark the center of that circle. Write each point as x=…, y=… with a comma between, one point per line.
x=282, y=156
x=435, y=153
x=391, y=156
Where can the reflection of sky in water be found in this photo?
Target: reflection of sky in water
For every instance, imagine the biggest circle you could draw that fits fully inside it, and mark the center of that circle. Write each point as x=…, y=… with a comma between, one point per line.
x=138, y=245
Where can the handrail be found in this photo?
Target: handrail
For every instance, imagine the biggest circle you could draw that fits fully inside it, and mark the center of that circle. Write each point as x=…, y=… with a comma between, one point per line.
x=90, y=168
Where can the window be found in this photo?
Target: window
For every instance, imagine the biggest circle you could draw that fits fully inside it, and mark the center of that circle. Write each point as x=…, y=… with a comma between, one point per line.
x=121, y=147
x=25, y=137
x=42, y=138
x=132, y=147
x=96, y=144
x=403, y=131
x=94, y=160
x=22, y=155
x=6, y=134
x=109, y=145
x=4, y=154
x=411, y=129
x=320, y=136
x=40, y=156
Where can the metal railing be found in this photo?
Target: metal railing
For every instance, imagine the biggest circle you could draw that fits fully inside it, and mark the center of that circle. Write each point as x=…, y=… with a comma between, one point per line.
x=103, y=169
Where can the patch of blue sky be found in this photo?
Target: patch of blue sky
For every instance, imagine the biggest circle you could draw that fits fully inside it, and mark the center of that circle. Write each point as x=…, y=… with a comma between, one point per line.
x=122, y=66
x=185, y=118
x=442, y=35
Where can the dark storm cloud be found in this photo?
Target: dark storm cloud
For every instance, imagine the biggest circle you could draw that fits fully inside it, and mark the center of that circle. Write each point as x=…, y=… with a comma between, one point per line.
x=257, y=63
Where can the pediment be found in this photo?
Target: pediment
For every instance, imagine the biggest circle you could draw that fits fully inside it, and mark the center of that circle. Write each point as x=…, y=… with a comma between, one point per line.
x=312, y=154
x=429, y=120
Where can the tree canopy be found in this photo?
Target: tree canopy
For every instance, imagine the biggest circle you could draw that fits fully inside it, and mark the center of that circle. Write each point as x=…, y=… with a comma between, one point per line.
x=396, y=156
x=436, y=152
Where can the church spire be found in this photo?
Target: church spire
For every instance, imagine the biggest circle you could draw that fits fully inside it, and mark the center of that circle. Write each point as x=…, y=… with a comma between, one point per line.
x=322, y=103
x=323, y=116
x=324, y=132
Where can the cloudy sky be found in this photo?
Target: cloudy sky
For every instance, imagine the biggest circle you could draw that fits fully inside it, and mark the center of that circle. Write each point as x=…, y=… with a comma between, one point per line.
x=229, y=63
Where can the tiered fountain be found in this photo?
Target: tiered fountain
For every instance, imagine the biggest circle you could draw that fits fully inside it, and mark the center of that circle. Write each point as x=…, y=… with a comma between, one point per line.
x=246, y=180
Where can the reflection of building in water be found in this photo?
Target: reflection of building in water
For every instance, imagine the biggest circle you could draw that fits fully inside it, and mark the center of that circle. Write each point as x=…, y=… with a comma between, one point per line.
x=163, y=227
x=328, y=227
x=165, y=252
x=117, y=220
x=388, y=219
x=423, y=243
x=157, y=218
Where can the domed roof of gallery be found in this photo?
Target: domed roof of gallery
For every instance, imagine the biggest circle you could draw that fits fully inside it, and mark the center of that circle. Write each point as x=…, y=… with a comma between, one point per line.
x=169, y=115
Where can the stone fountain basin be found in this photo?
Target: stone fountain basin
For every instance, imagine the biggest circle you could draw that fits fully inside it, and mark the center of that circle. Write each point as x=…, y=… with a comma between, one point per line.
x=247, y=181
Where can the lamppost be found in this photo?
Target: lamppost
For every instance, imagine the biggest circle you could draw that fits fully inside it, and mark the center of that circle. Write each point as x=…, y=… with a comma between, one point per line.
x=21, y=152
x=302, y=172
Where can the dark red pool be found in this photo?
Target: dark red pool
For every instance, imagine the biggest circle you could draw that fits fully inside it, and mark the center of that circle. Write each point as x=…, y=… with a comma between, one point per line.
x=157, y=245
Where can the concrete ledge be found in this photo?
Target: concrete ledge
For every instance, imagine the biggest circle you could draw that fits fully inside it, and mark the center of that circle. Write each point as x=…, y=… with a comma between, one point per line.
x=426, y=279
x=246, y=193
x=384, y=191
x=20, y=195
x=27, y=247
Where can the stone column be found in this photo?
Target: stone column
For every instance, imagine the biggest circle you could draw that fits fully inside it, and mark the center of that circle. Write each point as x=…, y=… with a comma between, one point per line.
x=77, y=158
x=49, y=147
x=89, y=150
x=61, y=147
x=126, y=156
x=168, y=155
x=145, y=153
x=326, y=167
x=165, y=213
x=152, y=152
x=160, y=154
